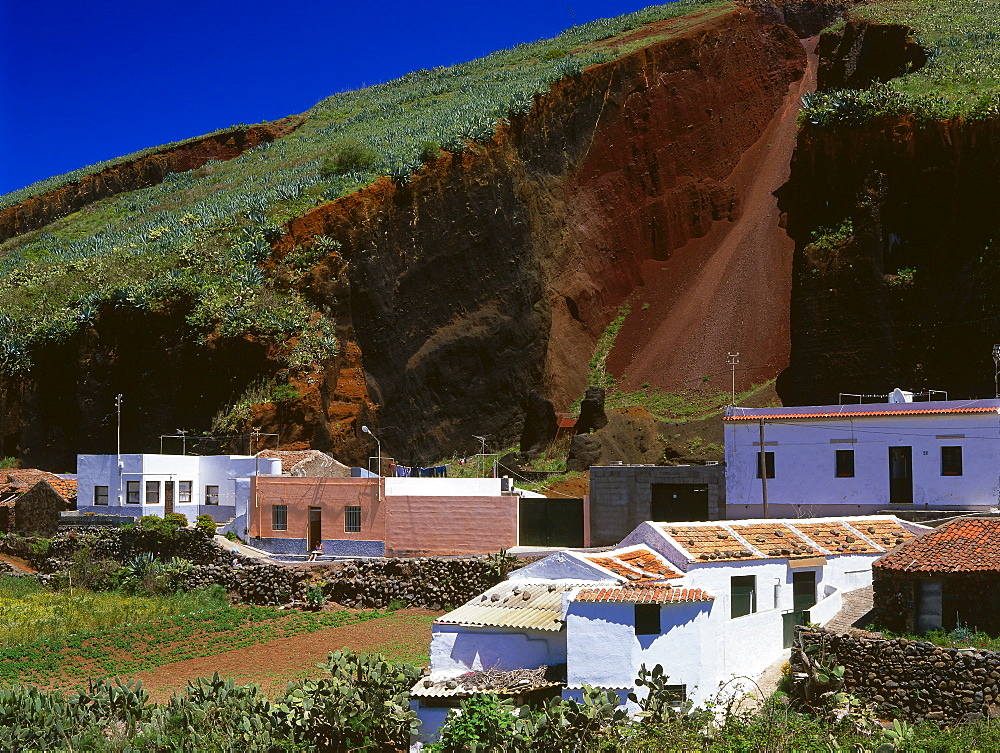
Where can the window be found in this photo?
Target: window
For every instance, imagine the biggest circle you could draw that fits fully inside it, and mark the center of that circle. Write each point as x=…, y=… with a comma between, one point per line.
x=100, y=495
x=743, y=589
x=183, y=491
x=951, y=461
x=131, y=492
x=845, y=463
x=152, y=492
x=675, y=695
x=211, y=495
x=279, y=517
x=768, y=463
x=647, y=619
x=352, y=519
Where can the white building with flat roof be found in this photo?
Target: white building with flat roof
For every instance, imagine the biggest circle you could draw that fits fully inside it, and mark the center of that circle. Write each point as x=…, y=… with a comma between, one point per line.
x=137, y=485
x=857, y=459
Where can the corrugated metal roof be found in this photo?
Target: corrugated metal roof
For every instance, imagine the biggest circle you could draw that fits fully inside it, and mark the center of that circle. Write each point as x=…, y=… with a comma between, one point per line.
x=513, y=604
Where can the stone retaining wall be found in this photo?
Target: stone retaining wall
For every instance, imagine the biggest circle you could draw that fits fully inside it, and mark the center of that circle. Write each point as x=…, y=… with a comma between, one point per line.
x=910, y=680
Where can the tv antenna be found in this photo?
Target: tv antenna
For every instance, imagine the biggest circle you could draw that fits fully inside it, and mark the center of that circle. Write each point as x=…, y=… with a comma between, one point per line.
x=734, y=358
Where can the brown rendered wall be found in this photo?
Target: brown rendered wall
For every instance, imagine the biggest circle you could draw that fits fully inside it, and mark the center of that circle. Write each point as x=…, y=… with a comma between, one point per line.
x=425, y=526
x=330, y=494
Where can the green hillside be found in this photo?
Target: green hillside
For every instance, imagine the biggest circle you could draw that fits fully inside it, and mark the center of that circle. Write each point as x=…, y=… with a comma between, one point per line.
x=197, y=239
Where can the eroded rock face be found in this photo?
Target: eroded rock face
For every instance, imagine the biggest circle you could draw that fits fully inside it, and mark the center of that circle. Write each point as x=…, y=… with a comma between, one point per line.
x=540, y=424
x=895, y=279
x=592, y=415
x=488, y=275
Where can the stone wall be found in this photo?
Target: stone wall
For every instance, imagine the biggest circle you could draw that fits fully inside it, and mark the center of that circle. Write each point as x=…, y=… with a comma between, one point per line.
x=37, y=510
x=433, y=583
x=970, y=599
x=911, y=680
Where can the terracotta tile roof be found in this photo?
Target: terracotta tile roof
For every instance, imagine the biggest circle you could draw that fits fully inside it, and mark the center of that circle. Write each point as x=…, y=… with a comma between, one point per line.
x=636, y=564
x=887, y=533
x=855, y=411
x=710, y=542
x=963, y=545
x=643, y=594
x=777, y=540
x=838, y=538
x=14, y=483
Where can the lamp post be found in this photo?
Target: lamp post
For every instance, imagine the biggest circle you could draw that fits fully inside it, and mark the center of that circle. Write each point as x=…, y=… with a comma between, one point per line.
x=368, y=431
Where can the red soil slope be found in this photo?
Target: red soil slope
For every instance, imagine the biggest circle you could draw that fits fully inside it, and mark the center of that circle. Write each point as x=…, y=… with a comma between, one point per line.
x=726, y=291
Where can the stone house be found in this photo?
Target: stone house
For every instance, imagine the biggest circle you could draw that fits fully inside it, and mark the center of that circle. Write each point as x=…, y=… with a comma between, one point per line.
x=863, y=458
x=946, y=578
x=31, y=501
x=710, y=601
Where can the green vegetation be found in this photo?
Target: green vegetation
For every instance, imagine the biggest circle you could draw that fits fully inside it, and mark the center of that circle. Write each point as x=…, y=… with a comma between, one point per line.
x=960, y=79
x=8, y=463
x=266, y=390
x=194, y=243
x=598, y=374
x=831, y=239
x=960, y=637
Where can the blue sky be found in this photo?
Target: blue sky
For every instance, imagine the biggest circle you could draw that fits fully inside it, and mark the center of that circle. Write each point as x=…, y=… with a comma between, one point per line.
x=85, y=82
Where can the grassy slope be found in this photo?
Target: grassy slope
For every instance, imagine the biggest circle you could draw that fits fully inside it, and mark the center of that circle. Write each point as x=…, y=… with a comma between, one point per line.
x=199, y=236
x=960, y=79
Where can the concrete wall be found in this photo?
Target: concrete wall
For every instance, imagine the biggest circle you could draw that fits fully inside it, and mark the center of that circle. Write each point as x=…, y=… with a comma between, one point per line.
x=621, y=495
x=812, y=444
x=456, y=649
x=431, y=525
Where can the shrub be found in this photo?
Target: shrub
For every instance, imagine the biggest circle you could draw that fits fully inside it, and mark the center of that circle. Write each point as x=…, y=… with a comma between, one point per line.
x=177, y=519
x=206, y=524
x=346, y=156
x=429, y=151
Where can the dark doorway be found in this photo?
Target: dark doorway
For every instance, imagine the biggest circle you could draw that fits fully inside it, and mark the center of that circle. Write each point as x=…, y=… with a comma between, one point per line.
x=901, y=475
x=929, y=610
x=803, y=599
x=315, y=527
x=168, y=497
x=679, y=502
x=550, y=522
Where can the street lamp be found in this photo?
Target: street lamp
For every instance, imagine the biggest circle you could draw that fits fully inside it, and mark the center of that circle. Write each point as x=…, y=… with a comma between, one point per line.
x=368, y=431
x=996, y=376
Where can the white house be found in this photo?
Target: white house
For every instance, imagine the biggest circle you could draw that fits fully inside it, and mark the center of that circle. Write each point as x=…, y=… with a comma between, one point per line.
x=216, y=485
x=709, y=601
x=857, y=459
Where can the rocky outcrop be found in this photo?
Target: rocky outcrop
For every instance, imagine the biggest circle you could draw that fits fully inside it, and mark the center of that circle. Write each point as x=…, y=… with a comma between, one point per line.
x=895, y=279
x=133, y=174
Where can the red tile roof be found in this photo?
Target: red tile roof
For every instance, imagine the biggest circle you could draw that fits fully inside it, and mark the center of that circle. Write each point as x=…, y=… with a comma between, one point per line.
x=14, y=483
x=637, y=565
x=855, y=414
x=643, y=594
x=838, y=538
x=777, y=540
x=964, y=545
x=710, y=542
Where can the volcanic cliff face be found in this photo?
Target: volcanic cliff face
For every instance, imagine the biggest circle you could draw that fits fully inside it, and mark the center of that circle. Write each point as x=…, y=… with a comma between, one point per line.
x=901, y=288
x=489, y=274
x=493, y=272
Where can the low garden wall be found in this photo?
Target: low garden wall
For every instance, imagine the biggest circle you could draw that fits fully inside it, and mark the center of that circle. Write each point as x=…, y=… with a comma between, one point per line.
x=910, y=680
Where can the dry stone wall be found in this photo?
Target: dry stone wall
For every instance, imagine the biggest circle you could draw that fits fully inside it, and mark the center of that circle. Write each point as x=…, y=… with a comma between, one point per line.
x=911, y=680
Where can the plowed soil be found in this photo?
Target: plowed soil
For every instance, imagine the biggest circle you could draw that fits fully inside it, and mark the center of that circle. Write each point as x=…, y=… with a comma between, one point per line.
x=402, y=636
x=726, y=291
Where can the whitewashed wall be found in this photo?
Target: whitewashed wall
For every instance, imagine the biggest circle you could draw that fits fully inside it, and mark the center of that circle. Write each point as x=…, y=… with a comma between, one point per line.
x=456, y=649
x=805, y=482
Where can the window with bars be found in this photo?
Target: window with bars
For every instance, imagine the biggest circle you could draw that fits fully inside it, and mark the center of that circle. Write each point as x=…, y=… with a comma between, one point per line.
x=352, y=519
x=184, y=491
x=100, y=495
x=152, y=492
x=132, y=492
x=211, y=495
x=279, y=517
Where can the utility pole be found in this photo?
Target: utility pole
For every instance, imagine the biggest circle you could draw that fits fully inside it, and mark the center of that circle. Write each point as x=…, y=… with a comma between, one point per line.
x=762, y=462
x=996, y=376
x=482, y=455
x=732, y=359
x=118, y=442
